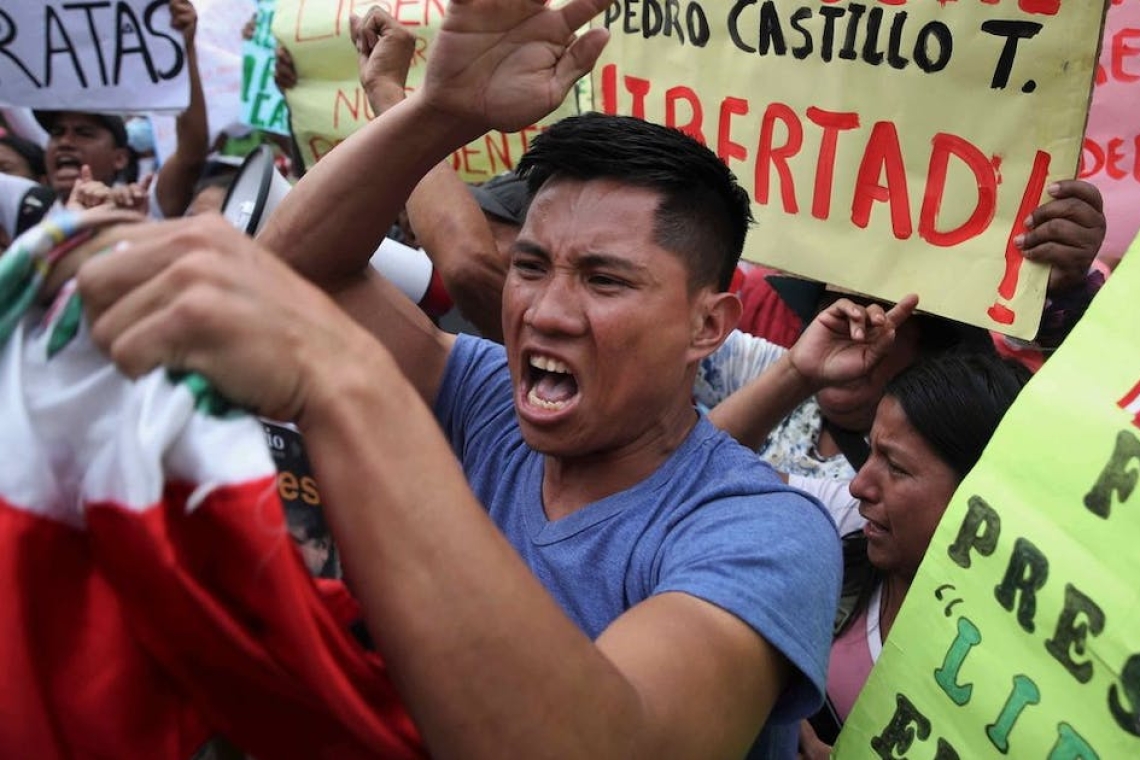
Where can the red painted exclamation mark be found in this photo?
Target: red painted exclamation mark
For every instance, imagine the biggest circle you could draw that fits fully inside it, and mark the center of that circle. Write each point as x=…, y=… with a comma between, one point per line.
x=1131, y=403
x=999, y=312
x=609, y=89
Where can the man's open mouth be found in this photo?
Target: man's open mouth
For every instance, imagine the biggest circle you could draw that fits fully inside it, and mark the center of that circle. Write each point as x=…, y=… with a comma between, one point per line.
x=68, y=166
x=551, y=383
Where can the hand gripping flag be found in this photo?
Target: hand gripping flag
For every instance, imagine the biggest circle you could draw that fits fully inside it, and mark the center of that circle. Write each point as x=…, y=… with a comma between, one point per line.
x=152, y=596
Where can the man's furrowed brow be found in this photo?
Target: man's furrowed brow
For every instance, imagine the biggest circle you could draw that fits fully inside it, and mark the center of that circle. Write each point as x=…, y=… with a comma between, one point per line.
x=528, y=248
x=610, y=262
x=586, y=261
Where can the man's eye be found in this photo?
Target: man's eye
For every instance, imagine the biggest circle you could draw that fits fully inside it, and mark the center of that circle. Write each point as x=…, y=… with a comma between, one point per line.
x=605, y=281
x=527, y=266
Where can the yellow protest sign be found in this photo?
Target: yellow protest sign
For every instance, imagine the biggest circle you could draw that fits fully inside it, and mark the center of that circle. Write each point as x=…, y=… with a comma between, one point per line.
x=328, y=103
x=1020, y=636
x=890, y=146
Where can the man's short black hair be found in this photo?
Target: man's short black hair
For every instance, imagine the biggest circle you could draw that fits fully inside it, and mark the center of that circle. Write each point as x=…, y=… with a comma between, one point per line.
x=704, y=213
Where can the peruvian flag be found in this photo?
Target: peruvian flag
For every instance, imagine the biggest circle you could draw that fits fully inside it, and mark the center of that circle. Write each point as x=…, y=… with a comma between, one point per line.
x=152, y=596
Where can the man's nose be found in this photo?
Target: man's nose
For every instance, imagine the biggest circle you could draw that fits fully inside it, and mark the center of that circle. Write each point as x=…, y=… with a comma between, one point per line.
x=556, y=305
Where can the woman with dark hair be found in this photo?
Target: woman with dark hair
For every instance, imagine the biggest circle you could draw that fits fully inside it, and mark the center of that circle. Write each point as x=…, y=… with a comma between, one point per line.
x=930, y=428
x=21, y=157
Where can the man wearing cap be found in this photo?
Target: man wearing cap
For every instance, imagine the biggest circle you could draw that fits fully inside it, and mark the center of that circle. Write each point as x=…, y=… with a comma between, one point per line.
x=79, y=139
x=99, y=140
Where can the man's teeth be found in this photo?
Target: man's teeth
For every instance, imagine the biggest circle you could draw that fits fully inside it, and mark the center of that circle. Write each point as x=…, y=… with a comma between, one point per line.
x=547, y=364
x=536, y=400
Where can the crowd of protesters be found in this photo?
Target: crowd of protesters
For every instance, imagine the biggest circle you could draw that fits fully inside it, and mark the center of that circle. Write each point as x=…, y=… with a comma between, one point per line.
x=652, y=500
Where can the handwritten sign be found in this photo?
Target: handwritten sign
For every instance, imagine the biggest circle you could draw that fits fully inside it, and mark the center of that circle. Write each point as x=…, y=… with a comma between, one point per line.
x=889, y=147
x=1020, y=636
x=328, y=103
x=92, y=56
x=263, y=105
x=1111, y=155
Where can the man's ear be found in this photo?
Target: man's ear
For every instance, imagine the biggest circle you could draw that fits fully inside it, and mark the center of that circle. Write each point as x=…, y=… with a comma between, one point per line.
x=715, y=315
x=122, y=158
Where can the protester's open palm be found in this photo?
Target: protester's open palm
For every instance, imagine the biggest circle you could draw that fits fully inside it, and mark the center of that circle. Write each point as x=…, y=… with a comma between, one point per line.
x=846, y=340
x=504, y=64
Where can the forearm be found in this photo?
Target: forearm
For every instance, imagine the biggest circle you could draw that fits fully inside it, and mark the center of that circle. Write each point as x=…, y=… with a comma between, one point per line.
x=451, y=228
x=329, y=225
x=750, y=414
x=174, y=186
x=487, y=663
x=454, y=233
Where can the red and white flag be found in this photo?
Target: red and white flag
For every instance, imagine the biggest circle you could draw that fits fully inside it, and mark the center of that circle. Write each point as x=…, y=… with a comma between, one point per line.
x=152, y=596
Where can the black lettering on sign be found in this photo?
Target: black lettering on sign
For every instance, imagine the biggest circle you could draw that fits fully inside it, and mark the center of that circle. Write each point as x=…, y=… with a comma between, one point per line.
x=126, y=24
x=55, y=33
x=1013, y=31
x=1027, y=571
x=1079, y=617
x=897, y=736
x=1127, y=716
x=667, y=18
x=8, y=34
x=87, y=8
x=178, y=58
x=980, y=530
x=1116, y=477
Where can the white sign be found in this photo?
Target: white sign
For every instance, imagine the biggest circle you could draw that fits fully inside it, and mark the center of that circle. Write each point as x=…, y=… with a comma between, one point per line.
x=92, y=56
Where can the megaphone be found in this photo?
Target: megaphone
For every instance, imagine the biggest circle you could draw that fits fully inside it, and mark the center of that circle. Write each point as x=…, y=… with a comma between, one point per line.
x=255, y=191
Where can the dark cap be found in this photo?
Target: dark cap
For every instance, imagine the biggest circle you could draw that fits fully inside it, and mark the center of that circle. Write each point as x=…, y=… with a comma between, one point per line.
x=113, y=123
x=504, y=196
x=800, y=295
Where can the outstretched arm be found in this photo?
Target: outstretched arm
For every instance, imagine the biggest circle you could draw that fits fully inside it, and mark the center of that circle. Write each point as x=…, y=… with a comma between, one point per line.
x=843, y=342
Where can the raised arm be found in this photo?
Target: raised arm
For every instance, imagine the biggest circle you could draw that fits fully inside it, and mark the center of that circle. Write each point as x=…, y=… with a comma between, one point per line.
x=842, y=343
x=448, y=222
x=174, y=186
x=492, y=68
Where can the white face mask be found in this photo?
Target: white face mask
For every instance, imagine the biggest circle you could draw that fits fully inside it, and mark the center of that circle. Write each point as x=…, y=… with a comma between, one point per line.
x=140, y=134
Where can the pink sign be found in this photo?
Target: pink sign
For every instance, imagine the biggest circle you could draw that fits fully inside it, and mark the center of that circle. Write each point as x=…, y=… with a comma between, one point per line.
x=1111, y=155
